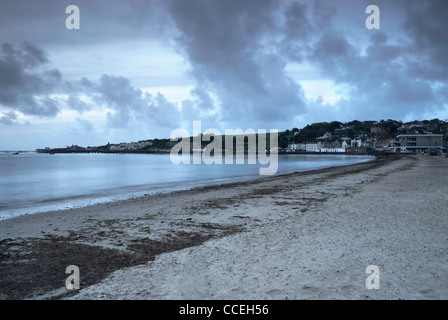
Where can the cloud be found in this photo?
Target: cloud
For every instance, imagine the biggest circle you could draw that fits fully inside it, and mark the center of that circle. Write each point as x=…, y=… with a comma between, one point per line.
x=77, y=104
x=86, y=125
x=130, y=105
x=24, y=86
x=297, y=24
x=238, y=54
x=29, y=87
x=382, y=81
x=297, y=29
x=8, y=118
x=426, y=23
x=202, y=99
x=231, y=47
x=27, y=55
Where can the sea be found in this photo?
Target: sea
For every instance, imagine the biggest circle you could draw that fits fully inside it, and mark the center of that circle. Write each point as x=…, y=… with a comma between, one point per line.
x=33, y=182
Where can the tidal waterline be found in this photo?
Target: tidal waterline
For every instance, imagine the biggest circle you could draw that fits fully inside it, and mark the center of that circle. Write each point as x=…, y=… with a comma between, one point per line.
x=31, y=182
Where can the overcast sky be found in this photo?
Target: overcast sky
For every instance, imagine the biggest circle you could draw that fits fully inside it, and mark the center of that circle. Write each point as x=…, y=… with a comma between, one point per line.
x=138, y=69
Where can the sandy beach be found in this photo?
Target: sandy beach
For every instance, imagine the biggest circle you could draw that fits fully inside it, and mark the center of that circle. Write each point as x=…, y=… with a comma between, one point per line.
x=298, y=236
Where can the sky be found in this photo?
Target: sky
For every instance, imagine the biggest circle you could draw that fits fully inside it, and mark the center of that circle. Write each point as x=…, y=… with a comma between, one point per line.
x=139, y=69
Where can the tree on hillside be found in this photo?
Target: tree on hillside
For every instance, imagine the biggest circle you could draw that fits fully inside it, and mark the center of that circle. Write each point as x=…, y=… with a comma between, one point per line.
x=351, y=133
x=283, y=142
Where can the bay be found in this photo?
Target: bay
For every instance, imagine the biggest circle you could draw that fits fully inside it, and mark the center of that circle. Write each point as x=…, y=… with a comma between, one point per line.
x=32, y=182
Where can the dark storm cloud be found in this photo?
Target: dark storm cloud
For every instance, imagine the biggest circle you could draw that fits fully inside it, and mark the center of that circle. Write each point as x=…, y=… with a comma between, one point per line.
x=102, y=21
x=202, y=99
x=379, y=82
x=241, y=55
x=389, y=79
x=237, y=51
x=297, y=25
x=28, y=87
x=227, y=45
x=24, y=86
x=27, y=55
x=297, y=29
x=427, y=23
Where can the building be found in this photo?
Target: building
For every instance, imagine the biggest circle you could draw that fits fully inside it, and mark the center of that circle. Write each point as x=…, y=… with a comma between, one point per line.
x=420, y=142
x=393, y=145
x=357, y=149
x=339, y=150
x=381, y=145
x=297, y=146
x=356, y=143
x=312, y=147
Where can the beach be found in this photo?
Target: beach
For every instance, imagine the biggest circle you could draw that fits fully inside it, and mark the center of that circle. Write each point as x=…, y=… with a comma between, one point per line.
x=308, y=235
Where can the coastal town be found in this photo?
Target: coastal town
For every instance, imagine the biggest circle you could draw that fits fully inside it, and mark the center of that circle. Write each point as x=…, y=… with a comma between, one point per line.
x=386, y=136
x=222, y=158
x=355, y=137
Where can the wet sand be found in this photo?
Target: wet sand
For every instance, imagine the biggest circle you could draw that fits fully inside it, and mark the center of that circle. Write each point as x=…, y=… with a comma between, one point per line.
x=299, y=236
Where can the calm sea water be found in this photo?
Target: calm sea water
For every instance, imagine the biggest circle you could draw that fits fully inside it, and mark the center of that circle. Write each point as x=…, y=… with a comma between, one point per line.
x=31, y=182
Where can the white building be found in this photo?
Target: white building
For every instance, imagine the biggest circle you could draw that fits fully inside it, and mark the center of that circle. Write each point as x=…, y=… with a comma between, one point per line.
x=356, y=143
x=332, y=150
x=311, y=147
x=297, y=147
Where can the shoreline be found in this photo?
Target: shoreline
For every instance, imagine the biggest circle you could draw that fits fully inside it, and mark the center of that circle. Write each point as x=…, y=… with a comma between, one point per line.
x=193, y=235
x=134, y=192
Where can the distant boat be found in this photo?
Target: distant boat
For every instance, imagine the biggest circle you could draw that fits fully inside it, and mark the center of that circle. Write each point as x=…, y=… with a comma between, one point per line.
x=15, y=153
